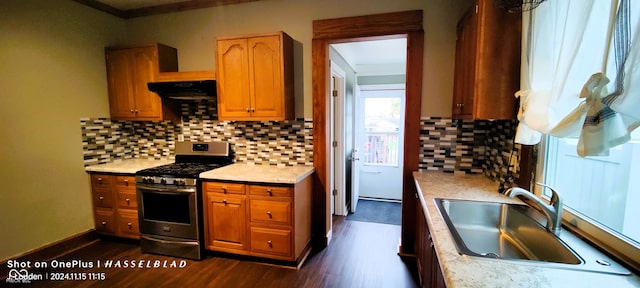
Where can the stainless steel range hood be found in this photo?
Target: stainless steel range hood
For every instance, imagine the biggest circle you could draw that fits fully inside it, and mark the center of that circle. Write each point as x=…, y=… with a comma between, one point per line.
x=191, y=85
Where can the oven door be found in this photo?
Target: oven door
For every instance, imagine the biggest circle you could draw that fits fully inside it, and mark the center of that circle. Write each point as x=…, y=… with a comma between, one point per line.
x=167, y=210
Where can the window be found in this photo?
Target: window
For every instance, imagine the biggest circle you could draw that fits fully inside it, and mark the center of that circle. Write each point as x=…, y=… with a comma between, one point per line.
x=382, y=124
x=600, y=193
x=602, y=190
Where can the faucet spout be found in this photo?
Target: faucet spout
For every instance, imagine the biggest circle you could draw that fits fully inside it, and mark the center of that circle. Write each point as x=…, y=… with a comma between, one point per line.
x=552, y=211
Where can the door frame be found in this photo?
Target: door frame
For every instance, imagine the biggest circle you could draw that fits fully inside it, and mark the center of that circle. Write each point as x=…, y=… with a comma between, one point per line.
x=380, y=26
x=339, y=155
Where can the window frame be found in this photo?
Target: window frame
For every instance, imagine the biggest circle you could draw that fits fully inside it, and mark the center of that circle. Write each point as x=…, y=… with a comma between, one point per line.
x=593, y=232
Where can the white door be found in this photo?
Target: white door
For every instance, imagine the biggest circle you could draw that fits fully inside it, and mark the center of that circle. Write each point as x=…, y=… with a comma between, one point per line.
x=381, y=141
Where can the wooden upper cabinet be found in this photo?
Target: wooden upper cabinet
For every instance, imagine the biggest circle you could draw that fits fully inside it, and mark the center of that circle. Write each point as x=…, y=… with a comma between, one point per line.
x=487, y=68
x=129, y=69
x=255, y=77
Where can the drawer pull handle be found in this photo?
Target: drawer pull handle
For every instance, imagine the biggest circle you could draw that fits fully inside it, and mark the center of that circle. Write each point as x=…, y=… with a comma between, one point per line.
x=100, y=179
x=130, y=225
x=128, y=201
x=270, y=244
x=104, y=223
x=269, y=191
x=269, y=213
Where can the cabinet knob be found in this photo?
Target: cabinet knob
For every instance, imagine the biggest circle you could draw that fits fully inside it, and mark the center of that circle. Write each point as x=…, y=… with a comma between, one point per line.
x=130, y=225
x=270, y=244
x=104, y=223
x=224, y=201
x=269, y=213
x=100, y=180
x=101, y=198
x=270, y=192
x=131, y=111
x=248, y=109
x=224, y=189
x=126, y=182
x=128, y=201
x=135, y=111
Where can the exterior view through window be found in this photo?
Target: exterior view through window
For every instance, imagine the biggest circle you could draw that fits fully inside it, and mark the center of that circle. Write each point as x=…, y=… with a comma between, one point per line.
x=382, y=123
x=604, y=190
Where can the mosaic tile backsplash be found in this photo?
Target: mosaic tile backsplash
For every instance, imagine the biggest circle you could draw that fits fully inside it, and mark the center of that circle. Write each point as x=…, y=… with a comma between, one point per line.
x=284, y=143
x=453, y=146
x=464, y=146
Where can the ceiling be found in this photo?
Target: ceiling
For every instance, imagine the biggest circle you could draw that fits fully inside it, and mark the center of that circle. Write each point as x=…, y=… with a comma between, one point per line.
x=365, y=55
x=137, y=8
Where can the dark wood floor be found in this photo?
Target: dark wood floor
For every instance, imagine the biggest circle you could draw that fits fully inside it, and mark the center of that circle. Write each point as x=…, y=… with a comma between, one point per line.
x=361, y=254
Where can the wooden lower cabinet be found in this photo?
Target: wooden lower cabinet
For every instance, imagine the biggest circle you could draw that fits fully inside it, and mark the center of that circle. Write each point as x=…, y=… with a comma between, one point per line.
x=262, y=220
x=429, y=271
x=114, y=205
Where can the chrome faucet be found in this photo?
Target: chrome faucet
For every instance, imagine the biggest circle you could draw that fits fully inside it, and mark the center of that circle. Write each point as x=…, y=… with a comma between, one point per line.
x=553, y=210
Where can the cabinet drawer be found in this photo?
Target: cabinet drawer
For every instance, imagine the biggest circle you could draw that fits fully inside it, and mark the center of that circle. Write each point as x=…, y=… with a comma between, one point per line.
x=225, y=188
x=127, y=200
x=271, y=241
x=272, y=212
x=128, y=223
x=103, y=198
x=272, y=191
x=105, y=221
x=101, y=181
x=123, y=183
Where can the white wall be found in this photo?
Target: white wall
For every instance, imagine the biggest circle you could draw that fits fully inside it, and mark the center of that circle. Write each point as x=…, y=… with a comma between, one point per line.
x=52, y=74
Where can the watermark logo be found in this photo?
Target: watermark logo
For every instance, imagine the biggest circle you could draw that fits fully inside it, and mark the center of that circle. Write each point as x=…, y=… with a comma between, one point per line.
x=22, y=276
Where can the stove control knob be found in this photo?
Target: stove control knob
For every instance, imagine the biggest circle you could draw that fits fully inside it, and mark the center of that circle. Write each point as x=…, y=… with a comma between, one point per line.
x=179, y=182
x=163, y=180
x=147, y=179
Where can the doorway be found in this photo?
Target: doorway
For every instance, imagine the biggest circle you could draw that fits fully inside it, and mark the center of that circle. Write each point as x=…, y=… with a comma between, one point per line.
x=381, y=26
x=368, y=125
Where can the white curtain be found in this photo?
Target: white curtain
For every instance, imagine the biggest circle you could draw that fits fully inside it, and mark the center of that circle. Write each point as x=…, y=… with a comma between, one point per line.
x=568, y=59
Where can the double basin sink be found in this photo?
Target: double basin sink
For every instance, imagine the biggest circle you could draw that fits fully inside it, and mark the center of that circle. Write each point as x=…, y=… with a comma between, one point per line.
x=513, y=232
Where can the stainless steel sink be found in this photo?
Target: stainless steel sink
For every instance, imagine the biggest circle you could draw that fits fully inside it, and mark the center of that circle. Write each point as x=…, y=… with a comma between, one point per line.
x=514, y=232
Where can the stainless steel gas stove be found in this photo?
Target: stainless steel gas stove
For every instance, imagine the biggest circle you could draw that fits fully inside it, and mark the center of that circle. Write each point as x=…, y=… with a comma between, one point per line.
x=170, y=199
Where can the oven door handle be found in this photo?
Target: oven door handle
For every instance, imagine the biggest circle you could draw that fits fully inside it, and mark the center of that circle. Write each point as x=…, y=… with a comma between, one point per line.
x=167, y=191
x=182, y=243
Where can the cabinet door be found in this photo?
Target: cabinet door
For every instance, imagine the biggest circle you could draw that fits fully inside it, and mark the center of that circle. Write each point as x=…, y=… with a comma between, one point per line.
x=265, y=71
x=233, y=79
x=226, y=224
x=119, y=78
x=465, y=67
x=148, y=105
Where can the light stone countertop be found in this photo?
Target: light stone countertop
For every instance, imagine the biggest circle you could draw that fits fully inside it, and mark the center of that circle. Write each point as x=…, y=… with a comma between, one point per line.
x=127, y=166
x=465, y=271
x=242, y=172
